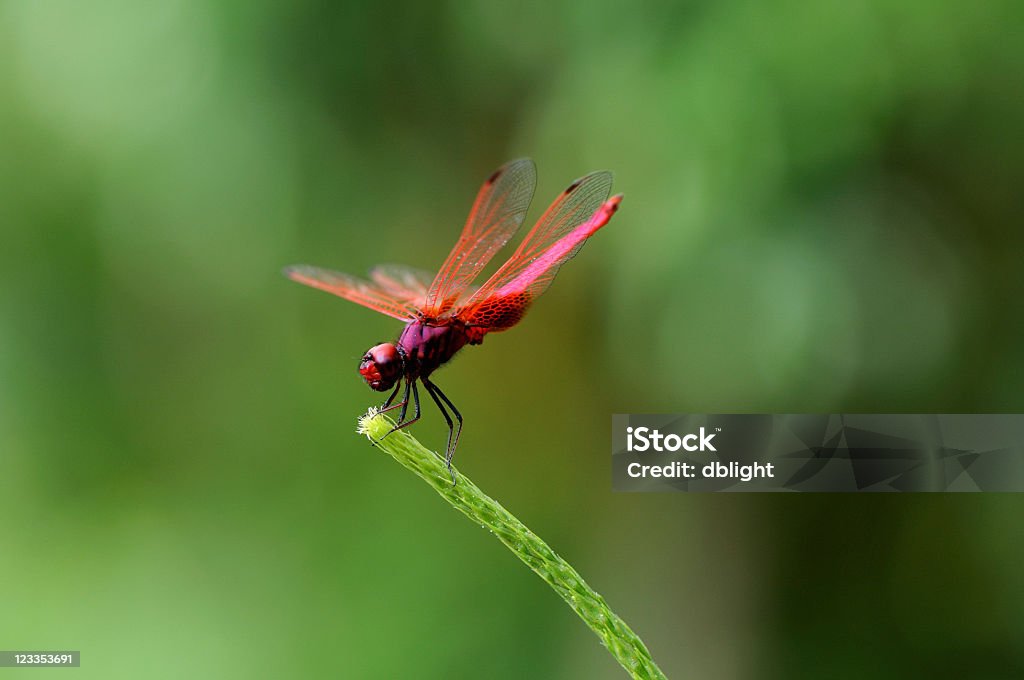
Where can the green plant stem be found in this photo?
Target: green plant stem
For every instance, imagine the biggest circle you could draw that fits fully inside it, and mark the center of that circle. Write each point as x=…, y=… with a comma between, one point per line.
x=468, y=499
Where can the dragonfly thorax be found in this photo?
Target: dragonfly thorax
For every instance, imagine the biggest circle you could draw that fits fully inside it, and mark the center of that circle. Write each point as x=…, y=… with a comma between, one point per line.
x=426, y=346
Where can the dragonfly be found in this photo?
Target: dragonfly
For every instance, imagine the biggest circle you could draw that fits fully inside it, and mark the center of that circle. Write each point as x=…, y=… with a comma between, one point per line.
x=445, y=312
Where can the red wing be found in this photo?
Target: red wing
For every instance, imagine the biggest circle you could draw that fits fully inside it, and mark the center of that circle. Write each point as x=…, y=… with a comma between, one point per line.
x=404, y=283
x=498, y=211
x=351, y=288
x=581, y=210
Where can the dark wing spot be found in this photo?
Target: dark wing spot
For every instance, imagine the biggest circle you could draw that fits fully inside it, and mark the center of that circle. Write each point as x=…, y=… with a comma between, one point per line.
x=494, y=177
x=572, y=187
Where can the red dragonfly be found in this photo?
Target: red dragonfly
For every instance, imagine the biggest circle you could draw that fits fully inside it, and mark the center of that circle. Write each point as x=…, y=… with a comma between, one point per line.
x=444, y=313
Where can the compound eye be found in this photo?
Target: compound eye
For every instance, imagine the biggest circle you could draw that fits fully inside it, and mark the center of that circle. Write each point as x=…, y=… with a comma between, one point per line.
x=381, y=366
x=384, y=354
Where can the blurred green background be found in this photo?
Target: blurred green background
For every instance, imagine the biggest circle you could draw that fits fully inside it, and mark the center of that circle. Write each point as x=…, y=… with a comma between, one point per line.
x=822, y=214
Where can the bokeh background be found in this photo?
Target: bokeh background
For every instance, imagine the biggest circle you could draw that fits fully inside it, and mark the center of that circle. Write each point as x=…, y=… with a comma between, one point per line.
x=822, y=214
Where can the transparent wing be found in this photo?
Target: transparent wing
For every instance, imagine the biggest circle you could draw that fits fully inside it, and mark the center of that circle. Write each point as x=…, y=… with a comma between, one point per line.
x=499, y=209
x=403, y=283
x=352, y=288
x=576, y=214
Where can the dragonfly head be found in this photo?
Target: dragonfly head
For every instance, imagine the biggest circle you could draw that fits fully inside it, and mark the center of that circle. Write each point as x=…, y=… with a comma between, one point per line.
x=382, y=365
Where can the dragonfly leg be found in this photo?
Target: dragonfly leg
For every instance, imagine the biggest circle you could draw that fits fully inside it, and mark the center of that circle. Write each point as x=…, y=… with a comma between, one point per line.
x=430, y=387
x=402, y=422
x=404, y=405
x=458, y=416
x=386, y=406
